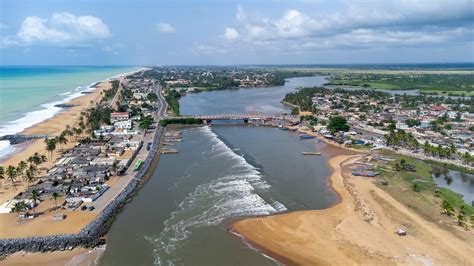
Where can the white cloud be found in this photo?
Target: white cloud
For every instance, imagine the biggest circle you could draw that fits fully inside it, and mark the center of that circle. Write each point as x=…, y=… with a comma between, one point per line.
x=165, y=27
x=357, y=24
x=62, y=29
x=231, y=34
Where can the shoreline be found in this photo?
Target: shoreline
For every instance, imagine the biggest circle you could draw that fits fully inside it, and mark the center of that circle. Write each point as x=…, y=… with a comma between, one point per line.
x=95, y=227
x=71, y=97
x=268, y=252
x=339, y=234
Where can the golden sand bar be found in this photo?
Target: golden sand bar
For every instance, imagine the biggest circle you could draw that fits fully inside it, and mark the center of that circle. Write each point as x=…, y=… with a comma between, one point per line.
x=357, y=230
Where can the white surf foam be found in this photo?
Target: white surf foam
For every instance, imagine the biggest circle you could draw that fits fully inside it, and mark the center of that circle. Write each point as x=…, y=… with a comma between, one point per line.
x=46, y=111
x=234, y=194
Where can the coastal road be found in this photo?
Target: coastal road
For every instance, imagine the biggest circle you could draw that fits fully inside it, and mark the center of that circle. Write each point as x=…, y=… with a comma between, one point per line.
x=122, y=181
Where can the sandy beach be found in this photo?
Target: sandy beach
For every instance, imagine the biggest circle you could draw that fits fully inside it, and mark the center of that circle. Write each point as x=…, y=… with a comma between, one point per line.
x=75, y=257
x=52, y=127
x=360, y=229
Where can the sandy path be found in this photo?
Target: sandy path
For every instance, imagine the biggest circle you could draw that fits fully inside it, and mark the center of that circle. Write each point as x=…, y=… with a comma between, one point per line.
x=358, y=230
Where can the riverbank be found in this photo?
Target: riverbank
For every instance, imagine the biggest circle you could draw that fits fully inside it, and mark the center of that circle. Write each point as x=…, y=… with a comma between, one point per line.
x=343, y=234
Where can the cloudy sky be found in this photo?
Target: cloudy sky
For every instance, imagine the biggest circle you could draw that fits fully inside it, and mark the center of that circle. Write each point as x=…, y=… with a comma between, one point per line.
x=225, y=32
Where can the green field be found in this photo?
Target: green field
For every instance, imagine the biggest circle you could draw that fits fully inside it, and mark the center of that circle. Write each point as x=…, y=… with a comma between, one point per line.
x=426, y=199
x=442, y=84
x=383, y=86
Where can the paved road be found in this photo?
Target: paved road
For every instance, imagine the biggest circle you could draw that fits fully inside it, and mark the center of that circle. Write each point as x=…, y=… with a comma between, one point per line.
x=122, y=181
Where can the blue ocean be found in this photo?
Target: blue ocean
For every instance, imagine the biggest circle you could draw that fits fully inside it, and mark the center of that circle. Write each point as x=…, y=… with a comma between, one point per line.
x=28, y=93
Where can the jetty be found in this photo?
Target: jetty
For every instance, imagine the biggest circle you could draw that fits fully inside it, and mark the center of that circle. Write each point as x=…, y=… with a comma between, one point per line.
x=169, y=151
x=65, y=105
x=16, y=139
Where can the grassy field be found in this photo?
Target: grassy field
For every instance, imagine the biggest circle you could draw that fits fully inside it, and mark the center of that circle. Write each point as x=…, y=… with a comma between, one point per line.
x=434, y=83
x=383, y=86
x=426, y=199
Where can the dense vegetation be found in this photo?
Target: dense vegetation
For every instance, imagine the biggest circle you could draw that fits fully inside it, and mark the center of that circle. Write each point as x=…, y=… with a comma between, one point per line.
x=173, y=101
x=110, y=93
x=337, y=123
x=425, y=82
x=303, y=98
x=182, y=121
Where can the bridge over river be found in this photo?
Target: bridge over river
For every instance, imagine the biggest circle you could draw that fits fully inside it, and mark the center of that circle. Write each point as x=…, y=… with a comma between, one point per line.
x=243, y=116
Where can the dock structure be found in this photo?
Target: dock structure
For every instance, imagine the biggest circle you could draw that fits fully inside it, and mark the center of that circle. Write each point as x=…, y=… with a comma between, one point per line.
x=169, y=151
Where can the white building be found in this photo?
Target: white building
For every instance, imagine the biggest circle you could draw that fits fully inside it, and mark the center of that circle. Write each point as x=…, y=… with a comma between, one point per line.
x=126, y=124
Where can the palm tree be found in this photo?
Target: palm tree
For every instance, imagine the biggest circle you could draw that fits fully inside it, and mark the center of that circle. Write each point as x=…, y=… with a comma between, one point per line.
x=50, y=146
x=61, y=139
x=35, y=197
x=21, y=166
x=55, y=197
x=115, y=169
x=30, y=174
x=2, y=175
x=20, y=206
x=11, y=173
x=43, y=159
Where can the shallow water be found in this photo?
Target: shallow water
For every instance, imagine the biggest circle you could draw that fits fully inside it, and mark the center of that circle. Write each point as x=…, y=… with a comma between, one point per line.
x=459, y=182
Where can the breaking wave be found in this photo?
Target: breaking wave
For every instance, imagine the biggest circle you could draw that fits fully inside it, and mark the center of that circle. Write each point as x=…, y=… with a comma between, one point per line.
x=242, y=191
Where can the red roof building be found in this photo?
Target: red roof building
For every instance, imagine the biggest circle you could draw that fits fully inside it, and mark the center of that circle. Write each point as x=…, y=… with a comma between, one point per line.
x=438, y=108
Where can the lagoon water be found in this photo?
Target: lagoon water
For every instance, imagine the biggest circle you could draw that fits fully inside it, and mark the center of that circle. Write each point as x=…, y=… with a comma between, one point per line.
x=459, y=182
x=222, y=173
x=28, y=93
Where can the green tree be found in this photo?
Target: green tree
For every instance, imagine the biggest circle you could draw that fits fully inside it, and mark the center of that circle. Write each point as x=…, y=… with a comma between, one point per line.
x=337, y=123
x=55, y=196
x=295, y=111
x=35, y=197
x=30, y=174
x=2, y=175
x=152, y=96
x=50, y=146
x=19, y=207
x=12, y=174
x=392, y=126
x=145, y=123
x=61, y=140
x=115, y=169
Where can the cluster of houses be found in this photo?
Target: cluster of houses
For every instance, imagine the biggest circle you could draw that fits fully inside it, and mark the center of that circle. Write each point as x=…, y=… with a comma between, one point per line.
x=84, y=173
x=189, y=79
x=367, y=125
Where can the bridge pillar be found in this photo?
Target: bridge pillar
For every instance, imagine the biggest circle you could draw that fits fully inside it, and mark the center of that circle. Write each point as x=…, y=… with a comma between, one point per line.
x=208, y=121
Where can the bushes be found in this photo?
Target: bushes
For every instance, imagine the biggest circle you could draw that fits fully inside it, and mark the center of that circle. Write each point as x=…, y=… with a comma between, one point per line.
x=181, y=121
x=173, y=101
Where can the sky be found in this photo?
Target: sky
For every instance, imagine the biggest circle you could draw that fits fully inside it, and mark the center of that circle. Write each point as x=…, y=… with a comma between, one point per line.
x=153, y=32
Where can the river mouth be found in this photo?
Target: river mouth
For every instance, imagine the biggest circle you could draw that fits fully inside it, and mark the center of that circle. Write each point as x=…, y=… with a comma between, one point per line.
x=222, y=173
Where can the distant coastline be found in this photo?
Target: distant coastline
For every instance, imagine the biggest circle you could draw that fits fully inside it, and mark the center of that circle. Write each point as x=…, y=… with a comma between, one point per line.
x=45, y=111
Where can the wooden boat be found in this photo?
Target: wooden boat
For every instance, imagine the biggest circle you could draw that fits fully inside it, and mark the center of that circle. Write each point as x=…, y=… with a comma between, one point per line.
x=310, y=153
x=306, y=137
